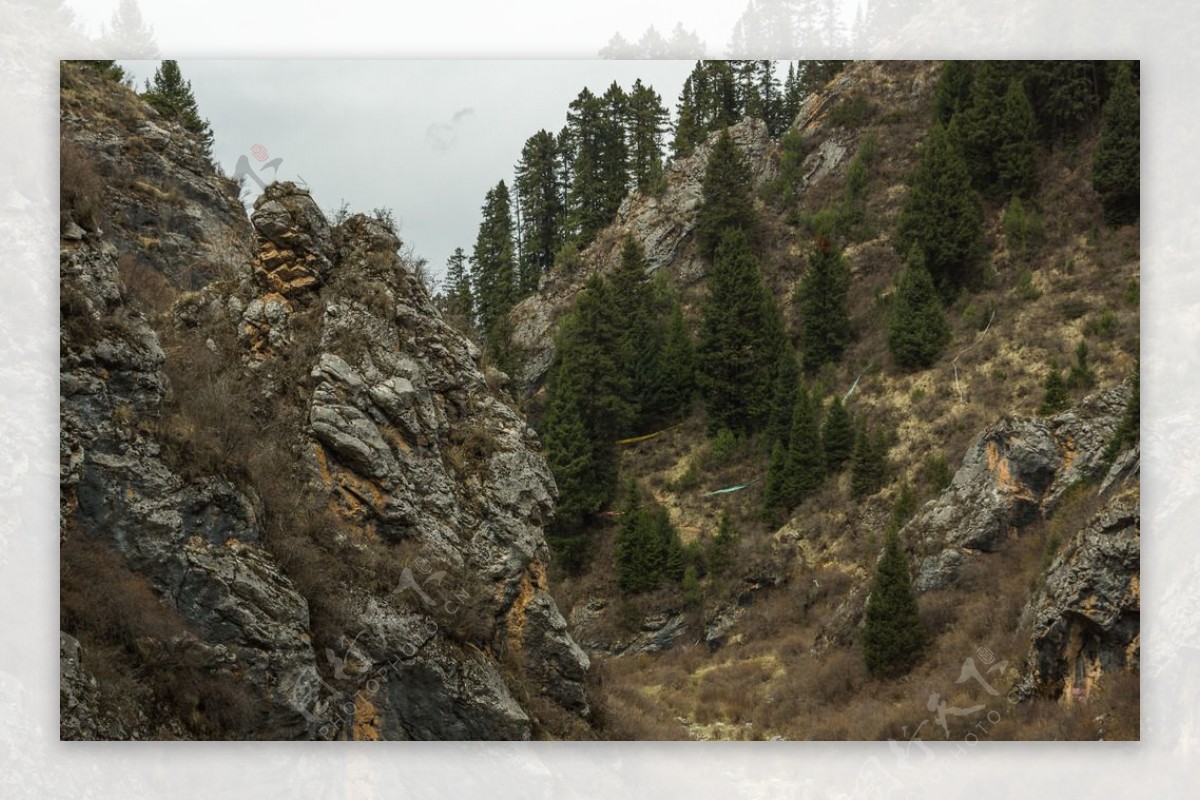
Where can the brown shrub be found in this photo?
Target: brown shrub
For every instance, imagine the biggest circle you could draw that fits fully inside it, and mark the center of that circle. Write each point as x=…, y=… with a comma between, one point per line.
x=80, y=191
x=146, y=288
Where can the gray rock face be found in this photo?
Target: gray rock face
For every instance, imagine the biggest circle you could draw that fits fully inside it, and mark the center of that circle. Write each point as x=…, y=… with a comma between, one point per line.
x=1086, y=620
x=417, y=460
x=1014, y=474
x=663, y=225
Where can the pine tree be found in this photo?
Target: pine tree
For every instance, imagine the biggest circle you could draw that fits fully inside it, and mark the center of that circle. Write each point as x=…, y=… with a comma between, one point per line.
x=614, y=152
x=1016, y=158
x=494, y=262
x=1064, y=95
x=171, y=96
x=918, y=331
x=953, y=91
x=869, y=466
x=460, y=302
x=837, y=436
x=723, y=545
x=727, y=202
x=778, y=479
x=1116, y=172
x=539, y=198
x=647, y=121
x=642, y=332
x=805, y=469
x=793, y=94
x=739, y=340
x=678, y=386
x=823, y=293
x=980, y=123
x=893, y=635
x=586, y=199
x=941, y=216
x=648, y=547
x=688, y=131
x=785, y=383
x=586, y=410
x=1055, y=398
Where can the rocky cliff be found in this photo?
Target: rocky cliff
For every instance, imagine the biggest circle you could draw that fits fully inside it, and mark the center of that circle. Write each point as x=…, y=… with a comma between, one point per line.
x=311, y=505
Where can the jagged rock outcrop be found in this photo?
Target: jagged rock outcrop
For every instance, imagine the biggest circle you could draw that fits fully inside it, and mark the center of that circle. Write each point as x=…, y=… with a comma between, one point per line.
x=1086, y=620
x=1014, y=474
x=369, y=409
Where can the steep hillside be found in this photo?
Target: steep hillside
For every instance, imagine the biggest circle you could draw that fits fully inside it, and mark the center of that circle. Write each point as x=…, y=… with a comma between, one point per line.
x=1022, y=541
x=293, y=504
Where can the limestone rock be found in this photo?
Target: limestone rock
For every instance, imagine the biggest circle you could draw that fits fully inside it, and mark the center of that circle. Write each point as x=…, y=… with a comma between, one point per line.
x=1086, y=619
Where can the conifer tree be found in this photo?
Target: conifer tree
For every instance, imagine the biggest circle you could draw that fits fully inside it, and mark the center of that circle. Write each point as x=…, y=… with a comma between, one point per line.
x=687, y=126
x=980, y=124
x=785, y=384
x=837, y=436
x=805, y=469
x=823, y=293
x=648, y=547
x=739, y=340
x=1116, y=171
x=869, y=466
x=918, y=331
x=1054, y=398
x=793, y=93
x=953, y=91
x=614, y=152
x=1064, y=95
x=586, y=198
x=678, y=386
x=171, y=96
x=540, y=201
x=778, y=479
x=646, y=123
x=586, y=411
x=460, y=302
x=727, y=202
x=893, y=635
x=642, y=332
x=721, y=549
x=1016, y=159
x=494, y=262
x=941, y=216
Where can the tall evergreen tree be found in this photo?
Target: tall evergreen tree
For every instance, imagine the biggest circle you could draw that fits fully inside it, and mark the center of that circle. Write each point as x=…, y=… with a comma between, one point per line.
x=679, y=369
x=869, y=465
x=171, y=96
x=739, y=340
x=727, y=202
x=1116, y=170
x=494, y=261
x=586, y=412
x=648, y=546
x=642, y=331
x=540, y=201
x=893, y=635
x=837, y=436
x=941, y=216
x=647, y=121
x=1016, y=156
x=806, y=458
x=980, y=125
x=953, y=90
x=587, y=200
x=724, y=543
x=1065, y=97
x=614, y=151
x=460, y=301
x=823, y=296
x=785, y=384
x=918, y=331
x=688, y=130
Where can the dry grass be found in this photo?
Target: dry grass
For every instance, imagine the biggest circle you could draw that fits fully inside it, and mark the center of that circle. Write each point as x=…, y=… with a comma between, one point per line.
x=81, y=189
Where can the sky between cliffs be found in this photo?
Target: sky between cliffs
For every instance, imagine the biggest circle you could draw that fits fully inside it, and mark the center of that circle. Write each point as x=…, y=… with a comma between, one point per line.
x=425, y=138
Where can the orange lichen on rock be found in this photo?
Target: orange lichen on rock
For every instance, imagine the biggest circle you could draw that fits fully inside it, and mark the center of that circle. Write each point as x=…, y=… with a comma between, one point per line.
x=366, y=719
x=533, y=581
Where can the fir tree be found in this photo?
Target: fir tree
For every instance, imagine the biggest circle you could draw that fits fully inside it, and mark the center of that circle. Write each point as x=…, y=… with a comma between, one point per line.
x=823, y=293
x=460, y=302
x=1081, y=375
x=778, y=479
x=647, y=120
x=586, y=411
x=941, y=216
x=540, y=202
x=953, y=90
x=805, y=469
x=1054, y=398
x=739, y=340
x=793, y=94
x=722, y=547
x=648, y=546
x=869, y=466
x=785, y=384
x=1064, y=95
x=918, y=331
x=678, y=386
x=494, y=261
x=893, y=635
x=171, y=96
x=1016, y=159
x=1116, y=172
x=980, y=124
x=613, y=152
x=587, y=201
x=688, y=130
x=726, y=195
x=837, y=436
x=642, y=333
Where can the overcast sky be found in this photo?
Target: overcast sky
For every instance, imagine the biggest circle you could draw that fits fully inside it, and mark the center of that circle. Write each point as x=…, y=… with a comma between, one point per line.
x=425, y=138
